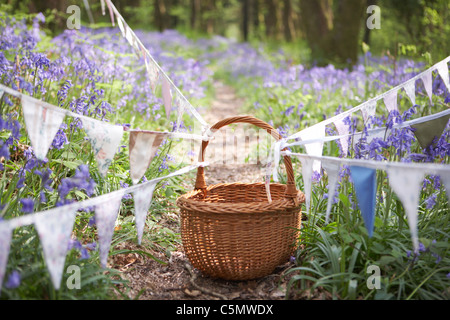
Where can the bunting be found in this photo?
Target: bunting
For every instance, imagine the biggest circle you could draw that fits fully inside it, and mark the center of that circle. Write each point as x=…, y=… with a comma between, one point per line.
x=143, y=146
x=343, y=130
x=54, y=231
x=390, y=101
x=307, y=168
x=180, y=103
x=442, y=68
x=315, y=148
x=445, y=178
x=105, y=218
x=407, y=183
x=427, y=131
x=332, y=170
x=427, y=80
x=42, y=124
x=102, y=3
x=364, y=180
x=142, y=200
x=5, y=244
x=167, y=96
x=368, y=111
x=410, y=89
x=105, y=140
x=111, y=12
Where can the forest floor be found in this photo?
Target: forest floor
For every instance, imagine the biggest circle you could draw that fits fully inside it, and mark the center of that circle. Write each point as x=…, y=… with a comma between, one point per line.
x=177, y=279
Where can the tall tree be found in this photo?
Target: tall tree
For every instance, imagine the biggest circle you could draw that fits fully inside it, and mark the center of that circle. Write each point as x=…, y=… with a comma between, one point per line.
x=332, y=29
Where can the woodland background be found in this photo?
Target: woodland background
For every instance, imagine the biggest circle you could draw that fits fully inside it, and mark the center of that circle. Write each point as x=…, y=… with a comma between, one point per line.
x=321, y=31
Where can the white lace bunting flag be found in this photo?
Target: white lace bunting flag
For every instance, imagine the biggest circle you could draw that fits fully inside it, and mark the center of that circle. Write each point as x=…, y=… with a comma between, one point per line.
x=442, y=68
x=307, y=168
x=54, y=231
x=407, y=184
x=105, y=140
x=105, y=219
x=152, y=71
x=111, y=12
x=102, y=3
x=143, y=146
x=315, y=148
x=166, y=96
x=446, y=180
x=142, y=201
x=332, y=170
x=5, y=244
x=390, y=101
x=42, y=124
x=369, y=110
x=427, y=79
x=343, y=129
x=410, y=89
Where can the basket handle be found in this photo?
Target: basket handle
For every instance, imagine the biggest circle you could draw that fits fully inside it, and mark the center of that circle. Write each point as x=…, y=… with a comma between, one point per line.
x=291, y=190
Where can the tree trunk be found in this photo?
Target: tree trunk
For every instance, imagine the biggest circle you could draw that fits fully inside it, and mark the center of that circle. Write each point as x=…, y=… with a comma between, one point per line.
x=245, y=19
x=317, y=19
x=288, y=26
x=271, y=18
x=333, y=37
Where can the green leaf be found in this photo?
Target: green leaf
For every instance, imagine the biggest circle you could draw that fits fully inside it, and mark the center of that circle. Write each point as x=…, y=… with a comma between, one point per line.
x=385, y=260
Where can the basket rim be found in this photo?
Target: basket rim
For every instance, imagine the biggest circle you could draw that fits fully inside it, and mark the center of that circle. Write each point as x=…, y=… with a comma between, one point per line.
x=186, y=202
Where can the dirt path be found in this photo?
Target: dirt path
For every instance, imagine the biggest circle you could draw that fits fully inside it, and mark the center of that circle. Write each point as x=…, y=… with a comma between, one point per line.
x=176, y=280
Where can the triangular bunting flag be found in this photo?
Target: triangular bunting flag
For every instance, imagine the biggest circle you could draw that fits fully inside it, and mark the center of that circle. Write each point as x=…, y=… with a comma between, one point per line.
x=42, y=124
x=181, y=105
x=102, y=3
x=442, y=68
x=390, y=101
x=105, y=140
x=5, y=244
x=131, y=38
x=307, y=168
x=427, y=131
x=365, y=182
x=427, y=80
x=377, y=133
x=315, y=148
x=122, y=27
x=111, y=12
x=407, y=183
x=446, y=180
x=142, y=200
x=55, y=230
x=142, y=148
x=152, y=71
x=369, y=110
x=343, y=129
x=410, y=89
x=332, y=170
x=105, y=218
x=167, y=96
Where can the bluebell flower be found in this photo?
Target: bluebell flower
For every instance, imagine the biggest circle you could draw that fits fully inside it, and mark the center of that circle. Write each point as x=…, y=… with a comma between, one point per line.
x=27, y=205
x=13, y=280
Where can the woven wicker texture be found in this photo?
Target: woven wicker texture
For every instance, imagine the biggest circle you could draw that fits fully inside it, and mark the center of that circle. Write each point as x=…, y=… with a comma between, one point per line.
x=231, y=231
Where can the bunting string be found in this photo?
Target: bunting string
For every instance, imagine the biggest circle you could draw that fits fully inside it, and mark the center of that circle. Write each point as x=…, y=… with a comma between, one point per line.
x=425, y=76
x=140, y=48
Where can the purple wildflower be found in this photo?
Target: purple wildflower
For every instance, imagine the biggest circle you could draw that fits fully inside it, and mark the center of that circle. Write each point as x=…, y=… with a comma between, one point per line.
x=13, y=280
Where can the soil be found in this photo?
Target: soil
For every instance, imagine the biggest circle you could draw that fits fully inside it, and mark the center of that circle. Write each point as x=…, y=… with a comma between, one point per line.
x=176, y=279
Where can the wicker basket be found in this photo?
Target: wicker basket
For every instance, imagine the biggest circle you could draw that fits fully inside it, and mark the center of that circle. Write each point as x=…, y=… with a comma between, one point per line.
x=231, y=231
